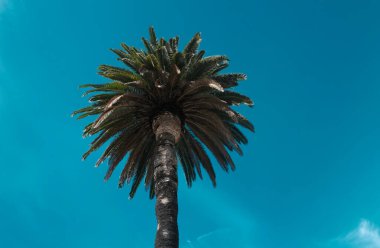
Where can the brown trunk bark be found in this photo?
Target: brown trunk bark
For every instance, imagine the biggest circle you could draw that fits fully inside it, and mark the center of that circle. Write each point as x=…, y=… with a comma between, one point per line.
x=167, y=130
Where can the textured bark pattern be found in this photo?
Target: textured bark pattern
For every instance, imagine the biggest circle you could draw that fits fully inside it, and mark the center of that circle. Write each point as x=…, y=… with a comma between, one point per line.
x=166, y=181
x=167, y=130
x=167, y=123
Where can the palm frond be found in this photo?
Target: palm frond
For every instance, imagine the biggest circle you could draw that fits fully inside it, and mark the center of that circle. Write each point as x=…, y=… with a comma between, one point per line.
x=117, y=73
x=153, y=38
x=206, y=66
x=191, y=47
x=229, y=80
x=234, y=98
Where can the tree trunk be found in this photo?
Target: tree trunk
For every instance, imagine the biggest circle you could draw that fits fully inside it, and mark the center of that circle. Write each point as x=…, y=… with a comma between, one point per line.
x=167, y=130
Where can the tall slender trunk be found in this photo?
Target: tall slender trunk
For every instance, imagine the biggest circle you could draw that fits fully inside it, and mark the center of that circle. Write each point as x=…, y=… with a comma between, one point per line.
x=167, y=130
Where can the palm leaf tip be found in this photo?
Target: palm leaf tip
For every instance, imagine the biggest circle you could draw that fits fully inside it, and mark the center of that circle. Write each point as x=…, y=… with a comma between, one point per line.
x=163, y=78
x=152, y=34
x=193, y=44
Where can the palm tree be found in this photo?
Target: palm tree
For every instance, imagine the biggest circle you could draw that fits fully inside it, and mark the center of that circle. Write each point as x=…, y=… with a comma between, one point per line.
x=166, y=104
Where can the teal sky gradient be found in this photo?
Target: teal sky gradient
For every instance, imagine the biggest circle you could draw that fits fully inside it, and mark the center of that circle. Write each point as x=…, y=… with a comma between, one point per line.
x=309, y=177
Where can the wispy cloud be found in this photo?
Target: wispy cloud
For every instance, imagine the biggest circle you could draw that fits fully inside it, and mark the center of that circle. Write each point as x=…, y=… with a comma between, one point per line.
x=221, y=237
x=218, y=235
x=366, y=235
x=233, y=224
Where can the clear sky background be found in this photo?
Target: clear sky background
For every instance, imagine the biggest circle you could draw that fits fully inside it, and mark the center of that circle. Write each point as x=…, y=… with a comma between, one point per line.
x=309, y=177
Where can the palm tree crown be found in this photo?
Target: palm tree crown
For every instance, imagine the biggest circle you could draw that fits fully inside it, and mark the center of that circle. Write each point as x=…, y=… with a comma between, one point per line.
x=163, y=79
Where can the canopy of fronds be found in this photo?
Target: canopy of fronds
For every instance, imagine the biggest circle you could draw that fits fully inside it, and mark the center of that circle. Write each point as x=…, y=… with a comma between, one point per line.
x=154, y=80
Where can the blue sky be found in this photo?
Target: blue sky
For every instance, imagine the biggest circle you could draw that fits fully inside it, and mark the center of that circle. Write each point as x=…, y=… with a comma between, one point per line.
x=309, y=176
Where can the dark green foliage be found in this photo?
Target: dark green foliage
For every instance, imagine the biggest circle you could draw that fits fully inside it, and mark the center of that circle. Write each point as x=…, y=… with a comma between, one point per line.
x=161, y=78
